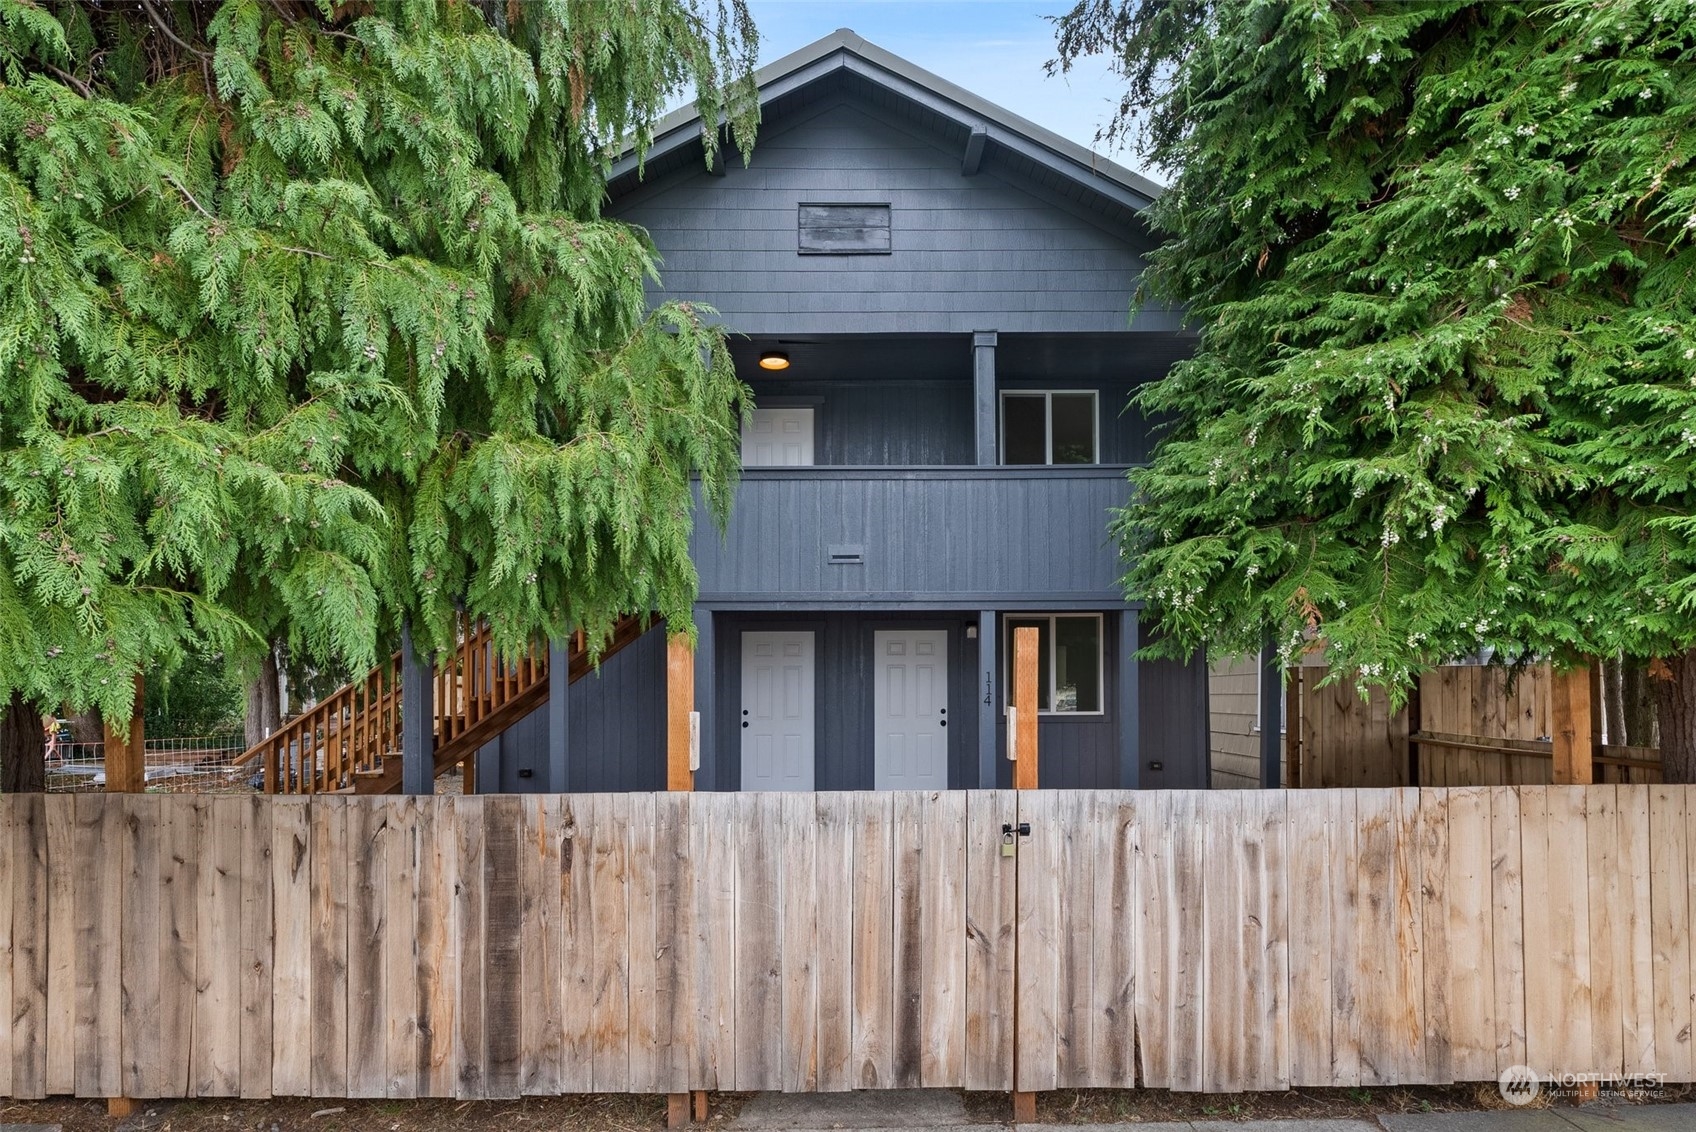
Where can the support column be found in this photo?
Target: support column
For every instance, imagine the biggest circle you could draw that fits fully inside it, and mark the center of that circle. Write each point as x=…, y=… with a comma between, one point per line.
x=983, y=396
x=559, y=717
x=1570, y=698
x=1271, y=720
x=1130, y=701
x=985, y=690
x=417, y=712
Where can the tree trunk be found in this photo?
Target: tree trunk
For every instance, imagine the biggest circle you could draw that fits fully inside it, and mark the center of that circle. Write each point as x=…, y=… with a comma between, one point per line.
x=1677, y=704
x=1637, y=699
x=1613, y=706
x=23, y=748
x=264, y=708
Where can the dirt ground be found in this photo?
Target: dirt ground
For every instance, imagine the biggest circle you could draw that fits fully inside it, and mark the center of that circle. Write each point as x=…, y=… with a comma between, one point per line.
x=623, y=1113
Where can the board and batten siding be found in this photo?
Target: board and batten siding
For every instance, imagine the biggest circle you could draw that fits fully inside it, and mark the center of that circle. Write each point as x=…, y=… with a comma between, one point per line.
x=937, y=536
x=967, y=253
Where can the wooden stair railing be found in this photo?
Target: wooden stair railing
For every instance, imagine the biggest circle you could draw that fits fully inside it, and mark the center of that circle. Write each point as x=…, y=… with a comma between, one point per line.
x=350, y=742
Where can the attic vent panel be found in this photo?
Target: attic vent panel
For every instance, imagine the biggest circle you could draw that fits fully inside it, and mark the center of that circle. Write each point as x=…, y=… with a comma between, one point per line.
x=844, y=229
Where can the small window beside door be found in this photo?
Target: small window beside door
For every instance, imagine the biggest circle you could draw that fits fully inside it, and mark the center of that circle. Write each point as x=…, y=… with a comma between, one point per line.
x=1069, y=661
x=1049, y=427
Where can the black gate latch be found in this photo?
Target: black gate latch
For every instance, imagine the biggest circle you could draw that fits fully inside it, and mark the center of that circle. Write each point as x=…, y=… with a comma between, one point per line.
x=1024, y=829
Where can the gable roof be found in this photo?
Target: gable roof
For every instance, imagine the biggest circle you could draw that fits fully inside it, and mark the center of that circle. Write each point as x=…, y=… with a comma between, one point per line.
x=983, y=131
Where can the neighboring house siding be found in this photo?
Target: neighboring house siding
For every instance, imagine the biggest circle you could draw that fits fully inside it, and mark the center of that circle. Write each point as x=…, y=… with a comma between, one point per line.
x=970, y=253
x=1235, y=740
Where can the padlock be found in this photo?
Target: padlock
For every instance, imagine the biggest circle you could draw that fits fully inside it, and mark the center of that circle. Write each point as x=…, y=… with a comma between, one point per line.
x=1007, y=844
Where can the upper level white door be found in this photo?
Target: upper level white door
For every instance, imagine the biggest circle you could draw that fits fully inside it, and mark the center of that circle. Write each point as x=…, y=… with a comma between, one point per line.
x=777, y=711
x=910, y=709
x=778, y=438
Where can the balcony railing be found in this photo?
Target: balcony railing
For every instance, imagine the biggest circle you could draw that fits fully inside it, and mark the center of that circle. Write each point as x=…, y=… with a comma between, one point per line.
x=950, y=536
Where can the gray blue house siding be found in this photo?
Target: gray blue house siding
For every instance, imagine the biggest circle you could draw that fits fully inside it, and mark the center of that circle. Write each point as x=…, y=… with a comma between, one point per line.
x=1006, y=265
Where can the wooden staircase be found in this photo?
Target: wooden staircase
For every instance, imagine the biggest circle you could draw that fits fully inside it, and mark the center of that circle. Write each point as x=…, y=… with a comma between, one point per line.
x=350, y=742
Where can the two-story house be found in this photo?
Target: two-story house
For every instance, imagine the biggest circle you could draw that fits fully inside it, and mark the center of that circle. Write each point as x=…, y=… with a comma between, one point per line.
x=932, y=298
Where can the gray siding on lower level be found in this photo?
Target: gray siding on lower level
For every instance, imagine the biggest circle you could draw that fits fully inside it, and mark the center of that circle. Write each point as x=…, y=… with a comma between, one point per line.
x=617, y=718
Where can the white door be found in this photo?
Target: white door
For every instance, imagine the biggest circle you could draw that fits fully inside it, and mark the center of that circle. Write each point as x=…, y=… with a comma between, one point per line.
x=910, y=710
x=777, y=711
x=778, y=438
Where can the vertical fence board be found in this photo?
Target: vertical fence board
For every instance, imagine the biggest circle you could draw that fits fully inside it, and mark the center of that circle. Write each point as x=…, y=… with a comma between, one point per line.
x=1471, y=1000
x=399, y=1047
x=1669, y=909
x=61, y=948
x=470, y=1044
x=1110, y=842
x=1040, y=944
x=1074, y=888
x=504, y=1000
x=215, y=1052
x=990, y=919
x=436, y=922
x=1436, y=955
x=1222, y=962
x=942, y=958
x=367, y=1034
x=834, y=869
x=291, y=988
x=674, y=906
x=871, y=1058
x=28, y=1005
x=712, y=818
x=1632, y=892
x=1151, y=835
x=798, y=1047
x=1309, y=901
x=759, y=930
x=644, y=945
x=906, y=942
x=577, y=942
x=8, y=1050
x=1610, y=955
x=100, y=869
x=1187, y=923
x=328, y=868
x=1274, y=900
x=258, y=943
x=1507, y=884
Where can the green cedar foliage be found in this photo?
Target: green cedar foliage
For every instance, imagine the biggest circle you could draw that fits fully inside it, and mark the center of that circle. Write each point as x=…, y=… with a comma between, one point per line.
x=1440, y=260
x=309, y=323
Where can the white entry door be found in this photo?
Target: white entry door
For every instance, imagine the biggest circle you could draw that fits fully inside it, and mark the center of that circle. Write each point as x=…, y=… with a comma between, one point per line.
x=777, y=711
x=910, y=712
x=778, y=438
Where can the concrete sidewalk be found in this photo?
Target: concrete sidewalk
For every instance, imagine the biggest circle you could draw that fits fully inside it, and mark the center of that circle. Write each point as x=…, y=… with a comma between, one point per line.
x=921, y=1109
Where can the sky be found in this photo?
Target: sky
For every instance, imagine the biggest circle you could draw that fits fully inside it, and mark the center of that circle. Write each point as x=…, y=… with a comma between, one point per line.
x=994, y=48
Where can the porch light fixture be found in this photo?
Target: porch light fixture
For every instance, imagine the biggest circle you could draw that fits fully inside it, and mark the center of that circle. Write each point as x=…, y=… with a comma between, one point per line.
x=774, y=360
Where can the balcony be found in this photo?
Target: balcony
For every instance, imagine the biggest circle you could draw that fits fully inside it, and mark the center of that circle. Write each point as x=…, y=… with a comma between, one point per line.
x=945, y=536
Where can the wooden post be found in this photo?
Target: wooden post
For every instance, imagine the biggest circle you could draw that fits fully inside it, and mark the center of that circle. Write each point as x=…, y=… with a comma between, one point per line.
x=1570, y=699
x=679, y=703
x=1026, y=641
x=126, y=773
x=126, y=765
x=1596, y=717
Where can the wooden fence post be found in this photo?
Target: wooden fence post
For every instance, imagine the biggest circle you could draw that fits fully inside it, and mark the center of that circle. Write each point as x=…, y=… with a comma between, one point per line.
x=1026, y=644
x=126, y=768
x=680, y=1108
x=1570, y=699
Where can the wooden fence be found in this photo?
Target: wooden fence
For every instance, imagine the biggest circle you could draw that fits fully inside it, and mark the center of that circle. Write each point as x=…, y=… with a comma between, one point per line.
x=496, y=946
x=1478, y=728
